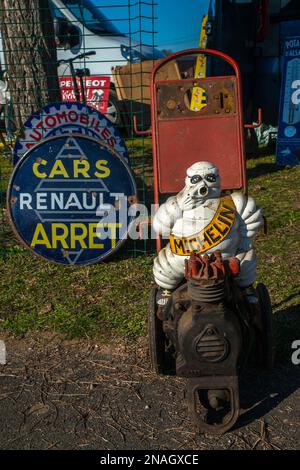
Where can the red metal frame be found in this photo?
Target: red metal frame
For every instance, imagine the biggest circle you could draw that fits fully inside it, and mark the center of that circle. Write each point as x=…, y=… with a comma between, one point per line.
x=259, y=121
x=208, y=52
x=137, y=131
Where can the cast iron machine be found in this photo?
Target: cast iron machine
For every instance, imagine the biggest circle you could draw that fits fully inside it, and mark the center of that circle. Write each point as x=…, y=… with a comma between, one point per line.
x=207, y=333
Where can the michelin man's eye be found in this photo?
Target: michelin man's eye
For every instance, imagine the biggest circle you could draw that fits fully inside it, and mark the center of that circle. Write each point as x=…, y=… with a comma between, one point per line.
x=196, y=179
x=210, y=178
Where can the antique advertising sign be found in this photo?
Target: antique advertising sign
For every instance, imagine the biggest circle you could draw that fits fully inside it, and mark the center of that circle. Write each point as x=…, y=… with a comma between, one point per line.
x=68, y=199
x=96, y=90
x=288, y=143
x=66, y=118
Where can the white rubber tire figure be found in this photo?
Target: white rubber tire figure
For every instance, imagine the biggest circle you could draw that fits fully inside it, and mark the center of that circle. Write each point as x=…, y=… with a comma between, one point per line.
x=191, y=211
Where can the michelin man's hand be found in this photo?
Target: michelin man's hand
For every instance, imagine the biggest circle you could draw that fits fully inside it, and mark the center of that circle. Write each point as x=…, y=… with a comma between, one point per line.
x=251, y=218
x=166, y=216
x=181, y=199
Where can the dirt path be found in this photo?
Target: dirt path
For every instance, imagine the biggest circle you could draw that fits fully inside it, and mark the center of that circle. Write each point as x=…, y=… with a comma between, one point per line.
x=58, y=394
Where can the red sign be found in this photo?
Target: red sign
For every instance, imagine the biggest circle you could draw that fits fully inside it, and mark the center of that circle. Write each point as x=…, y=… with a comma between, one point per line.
x=96, y=90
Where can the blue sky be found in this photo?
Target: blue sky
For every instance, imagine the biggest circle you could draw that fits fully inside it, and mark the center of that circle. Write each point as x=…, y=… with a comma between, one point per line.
x=177, y=25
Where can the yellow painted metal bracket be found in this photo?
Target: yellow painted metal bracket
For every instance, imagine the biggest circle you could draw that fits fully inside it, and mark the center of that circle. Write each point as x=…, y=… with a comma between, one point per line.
x=198, y=99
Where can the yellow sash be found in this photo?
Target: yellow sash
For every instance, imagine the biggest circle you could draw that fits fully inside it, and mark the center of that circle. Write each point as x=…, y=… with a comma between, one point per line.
x=213, y=234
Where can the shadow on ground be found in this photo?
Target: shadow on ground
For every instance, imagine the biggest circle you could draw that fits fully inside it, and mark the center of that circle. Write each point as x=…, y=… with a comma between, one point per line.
x=264, y=391
x=263, y=169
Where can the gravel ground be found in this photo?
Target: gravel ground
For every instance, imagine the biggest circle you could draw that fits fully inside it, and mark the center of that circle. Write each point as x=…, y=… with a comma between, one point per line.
x=62, y=394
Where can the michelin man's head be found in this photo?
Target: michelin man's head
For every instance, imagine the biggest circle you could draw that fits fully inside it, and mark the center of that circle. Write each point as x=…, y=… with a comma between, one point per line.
x=202, y=182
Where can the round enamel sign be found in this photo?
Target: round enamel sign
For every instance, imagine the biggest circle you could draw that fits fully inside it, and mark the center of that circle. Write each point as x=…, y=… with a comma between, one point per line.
x=69, y=199
x=65, y=118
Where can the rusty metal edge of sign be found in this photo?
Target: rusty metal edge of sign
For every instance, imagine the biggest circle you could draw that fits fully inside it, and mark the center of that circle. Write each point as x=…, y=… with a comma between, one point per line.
x=119, y=244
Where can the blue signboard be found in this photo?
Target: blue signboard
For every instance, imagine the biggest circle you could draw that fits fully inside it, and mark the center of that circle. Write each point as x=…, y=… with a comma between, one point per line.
x=68, y=199
x=288, y=142
x=66, y=118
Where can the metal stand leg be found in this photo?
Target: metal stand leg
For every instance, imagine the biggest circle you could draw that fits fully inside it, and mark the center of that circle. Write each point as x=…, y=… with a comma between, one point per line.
x=214, y=420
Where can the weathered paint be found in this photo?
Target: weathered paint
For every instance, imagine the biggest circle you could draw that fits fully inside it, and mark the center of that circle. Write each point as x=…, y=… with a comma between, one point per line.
x=65, y=118
x=63, y=191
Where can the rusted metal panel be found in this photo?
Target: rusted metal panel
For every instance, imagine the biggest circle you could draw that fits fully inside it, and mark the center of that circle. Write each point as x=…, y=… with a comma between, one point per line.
x=211, y=134
x=173, y=97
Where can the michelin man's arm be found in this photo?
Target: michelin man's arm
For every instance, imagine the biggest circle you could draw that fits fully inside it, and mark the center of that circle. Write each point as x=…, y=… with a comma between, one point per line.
x=166, y=216
x=250, y=218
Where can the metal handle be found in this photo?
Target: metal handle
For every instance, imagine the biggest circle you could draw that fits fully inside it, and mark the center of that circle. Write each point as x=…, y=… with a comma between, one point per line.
x=259, y=121
x=137, y=131
x=84, y=54
x=229, y=383
x=199, y=50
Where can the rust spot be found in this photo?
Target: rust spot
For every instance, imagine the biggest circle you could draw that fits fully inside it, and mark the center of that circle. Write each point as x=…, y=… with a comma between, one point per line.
x=132, y=200
x=13, y=200
x=171, y=104
x=220, y=97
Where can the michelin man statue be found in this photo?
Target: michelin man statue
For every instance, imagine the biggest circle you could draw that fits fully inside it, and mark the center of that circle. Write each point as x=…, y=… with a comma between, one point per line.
x=199, y=218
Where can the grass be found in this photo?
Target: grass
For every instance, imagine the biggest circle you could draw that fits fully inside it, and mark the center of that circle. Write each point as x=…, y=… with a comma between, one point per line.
x=277, y=192
x=110, y=299
x=100, y=300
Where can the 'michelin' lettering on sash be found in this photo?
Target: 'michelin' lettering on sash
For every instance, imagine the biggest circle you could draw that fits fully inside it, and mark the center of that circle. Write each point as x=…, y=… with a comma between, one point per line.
x=213, y=234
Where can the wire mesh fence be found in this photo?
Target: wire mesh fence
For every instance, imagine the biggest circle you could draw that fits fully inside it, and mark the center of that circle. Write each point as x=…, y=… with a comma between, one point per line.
x=98, y=53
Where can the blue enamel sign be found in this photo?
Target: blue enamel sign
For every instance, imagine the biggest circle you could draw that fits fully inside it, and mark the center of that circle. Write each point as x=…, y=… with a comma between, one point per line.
x=65, y=118
x=69, y=199
x=288, y=142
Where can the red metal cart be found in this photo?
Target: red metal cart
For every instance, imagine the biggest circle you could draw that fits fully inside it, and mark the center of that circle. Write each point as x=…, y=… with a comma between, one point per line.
x=182, y=136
